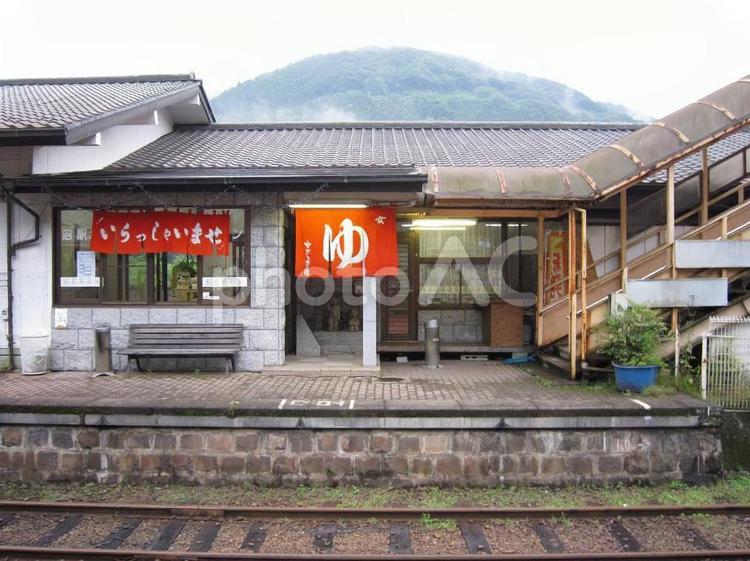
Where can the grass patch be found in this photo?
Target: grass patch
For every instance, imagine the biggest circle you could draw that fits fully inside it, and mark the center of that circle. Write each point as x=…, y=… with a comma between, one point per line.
x=438, y=523
x=735, y=488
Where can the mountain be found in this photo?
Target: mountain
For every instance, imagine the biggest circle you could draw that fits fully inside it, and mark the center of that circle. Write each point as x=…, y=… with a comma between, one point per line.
x=404, y=84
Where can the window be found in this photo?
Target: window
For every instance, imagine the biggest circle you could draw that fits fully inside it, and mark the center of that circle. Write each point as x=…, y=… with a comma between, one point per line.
x=86, y=277
x=455, y=266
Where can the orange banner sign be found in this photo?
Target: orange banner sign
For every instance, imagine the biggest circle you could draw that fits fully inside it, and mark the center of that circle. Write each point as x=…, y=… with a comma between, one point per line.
x=346, y=242
x=159, y=232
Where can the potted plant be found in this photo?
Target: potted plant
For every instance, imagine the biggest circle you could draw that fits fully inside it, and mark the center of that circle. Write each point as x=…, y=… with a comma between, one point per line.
x=633, y=336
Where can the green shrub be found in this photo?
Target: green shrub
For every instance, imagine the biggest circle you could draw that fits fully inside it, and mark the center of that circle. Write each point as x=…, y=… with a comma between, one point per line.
x=634, y=335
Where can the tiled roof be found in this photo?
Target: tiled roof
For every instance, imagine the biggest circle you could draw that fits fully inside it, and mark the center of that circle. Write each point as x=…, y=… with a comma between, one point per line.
x=32, y=105
x=372, y=145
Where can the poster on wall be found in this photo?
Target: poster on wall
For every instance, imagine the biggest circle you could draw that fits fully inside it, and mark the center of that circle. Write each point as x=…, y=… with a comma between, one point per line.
x=556, y=265
x=160, y=232
x=345, y=242
x=85, y=264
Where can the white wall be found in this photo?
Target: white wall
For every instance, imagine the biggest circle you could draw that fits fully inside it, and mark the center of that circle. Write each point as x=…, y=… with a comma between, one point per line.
x=114, y=144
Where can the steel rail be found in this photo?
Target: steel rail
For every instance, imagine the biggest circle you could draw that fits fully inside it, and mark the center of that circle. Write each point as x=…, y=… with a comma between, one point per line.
x=220, y=511
x=39, y=553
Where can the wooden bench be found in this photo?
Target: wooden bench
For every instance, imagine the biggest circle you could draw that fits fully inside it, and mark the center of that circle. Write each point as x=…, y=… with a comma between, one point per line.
x=162, y=340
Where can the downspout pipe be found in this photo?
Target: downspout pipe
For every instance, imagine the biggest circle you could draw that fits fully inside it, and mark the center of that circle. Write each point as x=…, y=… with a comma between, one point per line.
x=11, y=249
x=9, y=268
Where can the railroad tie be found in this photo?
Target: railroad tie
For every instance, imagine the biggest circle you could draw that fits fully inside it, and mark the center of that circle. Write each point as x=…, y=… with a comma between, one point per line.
x=62, y=528
x=168, y=534
x=255, y=537
x=399, y=540
x=205, y=537
x=696, y=539
x=118, y=536
x=476, y=541
x=323, y=537
x=549, y=539
x=625, y=539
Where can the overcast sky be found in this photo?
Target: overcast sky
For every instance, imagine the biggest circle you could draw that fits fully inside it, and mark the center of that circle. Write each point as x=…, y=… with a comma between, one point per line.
x=654, y=56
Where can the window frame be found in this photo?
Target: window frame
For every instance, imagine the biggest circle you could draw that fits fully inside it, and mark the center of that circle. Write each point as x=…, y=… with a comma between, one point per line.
x=474, y=261
x=57, y=294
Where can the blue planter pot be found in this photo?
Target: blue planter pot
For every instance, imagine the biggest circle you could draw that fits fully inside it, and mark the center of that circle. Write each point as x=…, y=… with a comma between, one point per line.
x=635, y=378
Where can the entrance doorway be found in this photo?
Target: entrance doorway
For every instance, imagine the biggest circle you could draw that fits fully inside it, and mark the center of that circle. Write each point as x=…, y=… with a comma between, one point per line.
x=399, y=317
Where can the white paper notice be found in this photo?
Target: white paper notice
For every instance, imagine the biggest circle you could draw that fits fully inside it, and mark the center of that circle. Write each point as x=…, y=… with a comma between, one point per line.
x=224, y=282
x=61, y=318
x=78, y=282
x=86, y=264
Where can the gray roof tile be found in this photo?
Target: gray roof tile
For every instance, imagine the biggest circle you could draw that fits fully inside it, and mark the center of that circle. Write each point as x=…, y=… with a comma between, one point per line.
x=59, y=103
x=375, y=145
x=372, y=145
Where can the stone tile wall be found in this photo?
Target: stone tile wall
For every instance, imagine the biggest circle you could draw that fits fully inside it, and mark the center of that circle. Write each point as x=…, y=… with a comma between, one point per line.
x=456, y=326
x=400, y=458
x=72, y=348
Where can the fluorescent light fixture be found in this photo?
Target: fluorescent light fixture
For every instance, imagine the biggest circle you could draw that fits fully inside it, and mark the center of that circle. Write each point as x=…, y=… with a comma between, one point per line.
x=438, y=228
x=443, y=222
x=328, y=205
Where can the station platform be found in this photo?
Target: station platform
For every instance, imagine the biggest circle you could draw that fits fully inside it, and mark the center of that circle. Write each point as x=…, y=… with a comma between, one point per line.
x=468, y=424
x=460, y=394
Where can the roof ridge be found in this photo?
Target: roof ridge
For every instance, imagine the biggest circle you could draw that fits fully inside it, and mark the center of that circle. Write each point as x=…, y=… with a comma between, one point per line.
x=511, y=125
x=100, y=79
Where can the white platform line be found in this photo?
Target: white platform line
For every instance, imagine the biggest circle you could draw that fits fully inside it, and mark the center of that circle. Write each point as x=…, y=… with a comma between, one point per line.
x=351, y=404
x=281, y=405
x=641, y=403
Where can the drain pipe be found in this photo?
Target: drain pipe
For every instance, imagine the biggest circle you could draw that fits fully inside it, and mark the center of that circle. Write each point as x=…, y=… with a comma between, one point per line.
x=10, y=249
x=9, y=269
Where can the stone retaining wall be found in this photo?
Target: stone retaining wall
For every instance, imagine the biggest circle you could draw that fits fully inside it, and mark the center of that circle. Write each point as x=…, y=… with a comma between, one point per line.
x=400, y=458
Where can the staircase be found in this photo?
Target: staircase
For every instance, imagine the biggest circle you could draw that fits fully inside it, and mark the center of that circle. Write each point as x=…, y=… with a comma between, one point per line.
x=661, y=273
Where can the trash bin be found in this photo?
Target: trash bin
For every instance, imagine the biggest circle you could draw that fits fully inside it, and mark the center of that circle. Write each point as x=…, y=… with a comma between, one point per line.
x=432, y=343
x=103, y=349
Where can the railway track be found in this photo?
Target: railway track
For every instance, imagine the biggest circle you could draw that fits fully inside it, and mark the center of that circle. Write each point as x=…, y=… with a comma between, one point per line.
x=102, y=531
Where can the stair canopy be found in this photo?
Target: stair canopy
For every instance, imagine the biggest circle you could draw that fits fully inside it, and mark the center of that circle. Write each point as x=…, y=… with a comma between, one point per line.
x=628, y=160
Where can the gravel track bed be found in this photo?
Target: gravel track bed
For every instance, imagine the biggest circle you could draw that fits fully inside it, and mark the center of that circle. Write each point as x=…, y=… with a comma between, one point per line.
x=27, y=528
x=725, y=532
x=144, y=534
x=184, y=539
x=585, y=536
x=660, y=533
x=291, y=538
x=231, y=535
x=90, y=532
x=362, y=538
x=512, y=537
x=429, y=541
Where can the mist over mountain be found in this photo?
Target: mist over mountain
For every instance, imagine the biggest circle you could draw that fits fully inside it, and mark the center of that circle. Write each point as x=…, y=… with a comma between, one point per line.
x=405, y=85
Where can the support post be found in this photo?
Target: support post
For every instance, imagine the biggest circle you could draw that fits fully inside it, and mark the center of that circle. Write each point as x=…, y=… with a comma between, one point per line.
x=704, y=186
x=670, y=237
x=572, y=300
x=369, y=322
x=724, y=236
x=670, y=205
x=584, y=286
x=673, y=263
x=623, y=229
x=540, y=263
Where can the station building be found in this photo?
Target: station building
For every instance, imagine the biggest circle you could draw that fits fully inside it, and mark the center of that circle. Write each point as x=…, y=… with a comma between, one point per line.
x=503, y=231
x=327, y=246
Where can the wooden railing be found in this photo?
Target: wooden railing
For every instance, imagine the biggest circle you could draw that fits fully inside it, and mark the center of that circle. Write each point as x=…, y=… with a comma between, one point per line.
x=554, y=317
